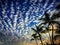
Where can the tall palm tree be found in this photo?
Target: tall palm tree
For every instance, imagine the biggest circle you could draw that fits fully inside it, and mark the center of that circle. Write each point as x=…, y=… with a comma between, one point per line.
x=50, y=21
x=38, y=30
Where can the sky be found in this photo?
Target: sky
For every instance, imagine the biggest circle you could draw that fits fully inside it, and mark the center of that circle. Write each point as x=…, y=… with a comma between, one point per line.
x=17, y=17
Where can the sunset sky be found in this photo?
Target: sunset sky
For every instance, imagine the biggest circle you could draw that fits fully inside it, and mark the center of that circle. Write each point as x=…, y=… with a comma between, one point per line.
x=17, y=17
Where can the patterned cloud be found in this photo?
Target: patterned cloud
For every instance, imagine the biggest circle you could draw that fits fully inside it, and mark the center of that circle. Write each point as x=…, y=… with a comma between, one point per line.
x=18, y=17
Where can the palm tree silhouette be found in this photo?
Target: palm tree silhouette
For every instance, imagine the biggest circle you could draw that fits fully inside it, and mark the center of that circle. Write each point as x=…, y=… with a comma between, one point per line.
x=38, y=31
x=50, y=21
x=34, y=38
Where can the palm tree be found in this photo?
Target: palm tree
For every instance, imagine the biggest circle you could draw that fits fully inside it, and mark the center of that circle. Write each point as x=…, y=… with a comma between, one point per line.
x=50, y=21
x=34, y=38
x=38, y=30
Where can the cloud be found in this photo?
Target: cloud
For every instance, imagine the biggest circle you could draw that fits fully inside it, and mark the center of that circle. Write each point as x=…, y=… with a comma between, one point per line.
x=22, y=26
x=46, y=3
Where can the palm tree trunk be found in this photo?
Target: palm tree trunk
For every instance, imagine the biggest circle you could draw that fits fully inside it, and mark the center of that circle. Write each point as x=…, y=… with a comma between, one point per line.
x=41, y=39
x=52, y=34
x=36, y=42
x=49, y=33
x=50, y=37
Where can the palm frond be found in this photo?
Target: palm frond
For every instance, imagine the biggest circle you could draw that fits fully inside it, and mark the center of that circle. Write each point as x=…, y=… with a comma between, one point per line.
x=55, y=22
x=31, y=39
x=41, y=24
x=55, y=16
x=34, y=34
x=46, y=18
x=33, y=29
x=57, y=32
x=43, y=19
x=45, y=31
x=37, y=27
x=58, y=6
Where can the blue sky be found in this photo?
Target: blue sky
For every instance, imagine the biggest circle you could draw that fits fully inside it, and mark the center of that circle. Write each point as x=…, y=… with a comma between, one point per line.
x=17, y=17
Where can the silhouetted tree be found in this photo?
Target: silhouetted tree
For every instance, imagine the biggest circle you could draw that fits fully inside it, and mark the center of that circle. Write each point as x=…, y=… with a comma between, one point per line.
x=34, y=38
x=50, y=21
x=38, y=31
